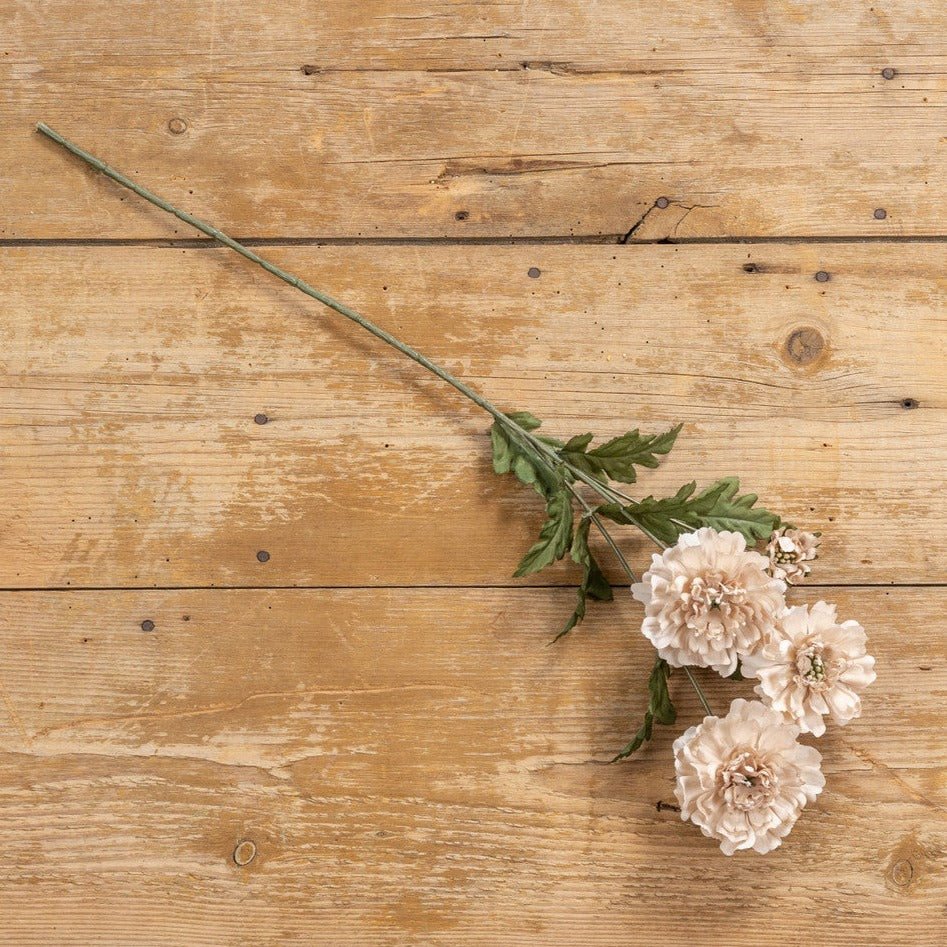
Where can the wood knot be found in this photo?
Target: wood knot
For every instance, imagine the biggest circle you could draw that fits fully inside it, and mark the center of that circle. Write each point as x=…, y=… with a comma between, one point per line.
x=901, y=873
x=244, y=853
x=804, y=346
x=906, y=864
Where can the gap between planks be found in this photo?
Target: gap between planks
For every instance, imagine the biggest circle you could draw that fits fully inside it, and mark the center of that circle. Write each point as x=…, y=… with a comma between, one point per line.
x=406, y=588
x=608, y=239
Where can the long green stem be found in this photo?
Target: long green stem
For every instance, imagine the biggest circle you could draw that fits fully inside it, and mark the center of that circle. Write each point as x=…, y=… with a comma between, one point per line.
x=280, y=273
x=322, y=297
x=700, y=693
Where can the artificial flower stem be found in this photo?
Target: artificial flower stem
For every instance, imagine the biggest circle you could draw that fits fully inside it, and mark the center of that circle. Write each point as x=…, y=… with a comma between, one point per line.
x=282, y=274
x=700, y=693
x=326, y=300
x=600, y=526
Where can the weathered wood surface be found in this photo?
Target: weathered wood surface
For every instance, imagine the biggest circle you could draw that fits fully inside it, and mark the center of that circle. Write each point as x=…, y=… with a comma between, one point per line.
x=480, y=119
x=131, y=378
x=416, y=767
x=395, y=747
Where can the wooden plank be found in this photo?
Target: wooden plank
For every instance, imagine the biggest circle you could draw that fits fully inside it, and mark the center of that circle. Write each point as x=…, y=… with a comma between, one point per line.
x=416, y=767
x=464, y=119
x=131, y=379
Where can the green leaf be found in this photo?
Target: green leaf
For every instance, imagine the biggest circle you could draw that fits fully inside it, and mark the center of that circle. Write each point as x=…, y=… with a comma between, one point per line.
x=525, y=420
x=502, y=449
x=616, y=459
x=578, y=443
x=660, y=708
x=508, y=455
x=594, y=584
x=718, y=507
x=554, y=538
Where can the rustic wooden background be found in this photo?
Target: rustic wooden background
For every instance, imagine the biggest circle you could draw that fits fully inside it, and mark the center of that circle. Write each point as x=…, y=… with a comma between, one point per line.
x=731, y=213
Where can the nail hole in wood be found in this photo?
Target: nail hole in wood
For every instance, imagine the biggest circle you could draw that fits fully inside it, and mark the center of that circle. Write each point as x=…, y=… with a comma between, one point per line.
x=462, y=215
x=909, y=403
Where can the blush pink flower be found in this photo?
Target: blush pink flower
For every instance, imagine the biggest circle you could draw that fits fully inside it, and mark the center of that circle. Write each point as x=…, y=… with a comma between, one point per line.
x=744, y=779
x=790, y=551
x=709, y=601
x=813, y=667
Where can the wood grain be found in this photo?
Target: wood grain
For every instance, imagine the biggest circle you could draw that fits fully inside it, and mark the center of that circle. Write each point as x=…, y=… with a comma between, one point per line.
x=130, y=384
x=192, y=752
x=415, y=767
x=341, y=119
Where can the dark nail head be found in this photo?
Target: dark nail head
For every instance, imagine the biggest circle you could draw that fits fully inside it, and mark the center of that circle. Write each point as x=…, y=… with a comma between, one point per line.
x=822, y=276
x=147, y=625
x=263, y=556
x=260, y=418
x=177, y=126
x=662, y=202
x=533, y=272
x=880, y=213
x=888, y=72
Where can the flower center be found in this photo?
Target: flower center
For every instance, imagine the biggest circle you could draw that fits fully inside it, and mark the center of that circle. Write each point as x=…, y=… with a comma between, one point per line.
x=747, y=782
x=815, y=667
x=711, y=604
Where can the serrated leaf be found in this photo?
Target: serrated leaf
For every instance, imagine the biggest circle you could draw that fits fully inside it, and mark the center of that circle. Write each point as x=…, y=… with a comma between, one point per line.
x=510, y=456
x=718, y=507
x=555, y=537
x=660, y=709
x=616, y=459
x=593, y=585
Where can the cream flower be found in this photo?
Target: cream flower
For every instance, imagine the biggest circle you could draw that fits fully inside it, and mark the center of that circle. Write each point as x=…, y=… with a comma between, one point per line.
x=813, y=667
x=789, y=550
x=744, y=779
x=709, y=601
